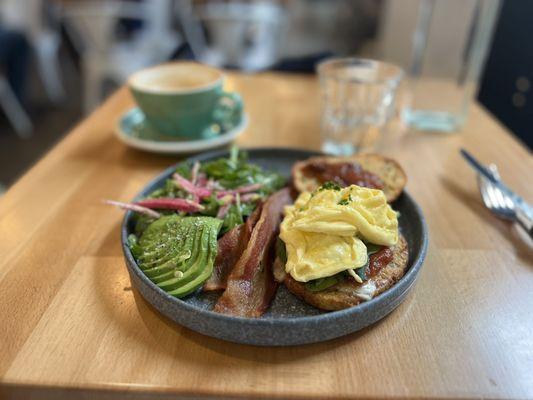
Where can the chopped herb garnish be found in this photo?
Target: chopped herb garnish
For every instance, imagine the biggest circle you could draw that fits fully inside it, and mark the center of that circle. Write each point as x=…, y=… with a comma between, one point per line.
x=329, y=186
x=346, y=201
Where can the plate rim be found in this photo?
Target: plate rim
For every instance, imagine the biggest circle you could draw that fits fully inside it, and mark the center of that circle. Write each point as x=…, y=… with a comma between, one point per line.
x=176, y=147
x=288, y=321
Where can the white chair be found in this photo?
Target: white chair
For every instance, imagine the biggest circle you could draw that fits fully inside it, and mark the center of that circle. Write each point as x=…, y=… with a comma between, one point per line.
x=91, y=24
x=14, y=111
x=29, y=17
x=241, y=34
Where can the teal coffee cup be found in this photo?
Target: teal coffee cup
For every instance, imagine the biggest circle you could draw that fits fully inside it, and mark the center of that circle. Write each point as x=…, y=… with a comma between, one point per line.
x=186, y=99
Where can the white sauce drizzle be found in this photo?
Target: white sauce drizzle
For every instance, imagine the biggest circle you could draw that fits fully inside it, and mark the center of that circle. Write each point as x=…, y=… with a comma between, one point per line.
x=366, y=291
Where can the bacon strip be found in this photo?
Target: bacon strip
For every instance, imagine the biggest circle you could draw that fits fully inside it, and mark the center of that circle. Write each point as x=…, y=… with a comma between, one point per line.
x=230, y=249
x=171, y=204
x=251, y=285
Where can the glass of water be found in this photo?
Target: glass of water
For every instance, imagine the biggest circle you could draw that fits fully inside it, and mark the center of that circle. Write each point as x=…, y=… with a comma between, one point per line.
x=449, y=47
x=358, y=99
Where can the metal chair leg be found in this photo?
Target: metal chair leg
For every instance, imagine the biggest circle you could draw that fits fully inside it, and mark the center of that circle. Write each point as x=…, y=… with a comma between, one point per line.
x=47, y=48
x=15, y=113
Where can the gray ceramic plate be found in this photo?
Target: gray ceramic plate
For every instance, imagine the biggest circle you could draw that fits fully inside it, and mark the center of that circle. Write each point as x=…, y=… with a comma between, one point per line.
x=289, y=321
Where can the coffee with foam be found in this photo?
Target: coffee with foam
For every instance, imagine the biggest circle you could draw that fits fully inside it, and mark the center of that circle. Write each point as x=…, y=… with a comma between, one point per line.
x=185, y=99
x=178, y=77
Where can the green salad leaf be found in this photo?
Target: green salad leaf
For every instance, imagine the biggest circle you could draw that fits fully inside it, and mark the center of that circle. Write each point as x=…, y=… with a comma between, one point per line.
x=281, y=250
x=329, y=185
x=361, y=271
x=372, y=248
x=236, y=171
x=230, y=173
x=142, y=223
x=318, y=285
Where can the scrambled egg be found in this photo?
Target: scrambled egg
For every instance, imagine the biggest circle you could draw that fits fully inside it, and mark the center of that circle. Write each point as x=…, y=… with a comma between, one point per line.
x=324, y=231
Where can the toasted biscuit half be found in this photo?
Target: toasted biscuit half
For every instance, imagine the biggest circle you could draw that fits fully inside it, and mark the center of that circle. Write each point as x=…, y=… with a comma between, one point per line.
x=348, y=293
x=387, y=170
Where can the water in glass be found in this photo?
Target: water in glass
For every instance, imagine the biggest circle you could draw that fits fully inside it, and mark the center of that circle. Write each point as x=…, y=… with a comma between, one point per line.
x=358, y=98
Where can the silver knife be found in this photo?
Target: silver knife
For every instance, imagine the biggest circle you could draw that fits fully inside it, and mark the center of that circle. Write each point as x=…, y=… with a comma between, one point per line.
x=519, y=201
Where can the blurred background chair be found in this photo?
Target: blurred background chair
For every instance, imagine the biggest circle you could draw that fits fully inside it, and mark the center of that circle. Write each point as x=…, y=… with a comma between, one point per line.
x=80, y=50
x=242, y=35
x=13, y=109
x=14, y=50
x=38, y=20
x=107, y=55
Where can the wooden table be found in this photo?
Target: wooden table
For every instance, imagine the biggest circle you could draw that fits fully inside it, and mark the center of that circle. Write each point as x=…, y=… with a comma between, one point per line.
x=72, y=325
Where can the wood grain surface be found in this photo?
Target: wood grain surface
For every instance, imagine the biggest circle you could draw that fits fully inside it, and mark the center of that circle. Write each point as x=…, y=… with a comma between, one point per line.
x=72, y=327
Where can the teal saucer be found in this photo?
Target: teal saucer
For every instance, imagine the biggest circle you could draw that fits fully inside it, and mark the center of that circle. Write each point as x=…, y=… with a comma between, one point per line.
x=133, y=129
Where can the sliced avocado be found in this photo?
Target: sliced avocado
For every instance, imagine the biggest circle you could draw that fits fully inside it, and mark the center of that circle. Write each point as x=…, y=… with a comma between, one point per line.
x=205, y=273
x=164, y=247
x=136, y=250
x=199, y=264
x=200, y=270
x=167, y=247
x=177, y=253
x=167, y=270
x=161, y=269
x=164, y=277
x=196, y=250
x=169, y=266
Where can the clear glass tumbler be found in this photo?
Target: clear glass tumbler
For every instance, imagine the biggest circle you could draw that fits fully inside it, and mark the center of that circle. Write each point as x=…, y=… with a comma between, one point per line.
x=450, y=44
x=358, y=99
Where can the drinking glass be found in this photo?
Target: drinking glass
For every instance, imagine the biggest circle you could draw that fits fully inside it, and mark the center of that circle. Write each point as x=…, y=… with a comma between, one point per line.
x=450, y=44
x=358, y=99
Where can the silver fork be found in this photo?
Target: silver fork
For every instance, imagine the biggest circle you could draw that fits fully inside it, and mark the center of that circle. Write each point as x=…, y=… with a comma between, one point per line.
x=501, y=204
